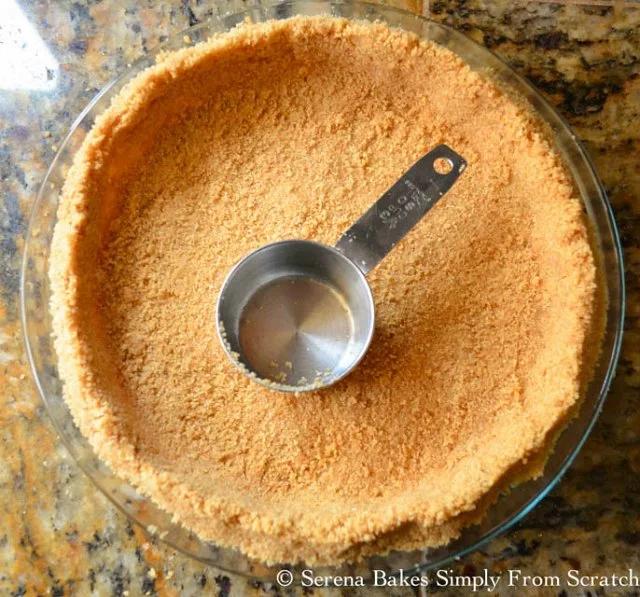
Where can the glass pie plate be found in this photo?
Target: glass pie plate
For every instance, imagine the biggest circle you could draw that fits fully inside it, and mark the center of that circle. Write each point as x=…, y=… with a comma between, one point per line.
x=509, y=508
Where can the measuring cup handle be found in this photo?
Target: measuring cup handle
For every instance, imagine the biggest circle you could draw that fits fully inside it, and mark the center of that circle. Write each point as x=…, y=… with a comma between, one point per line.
x=388, y=220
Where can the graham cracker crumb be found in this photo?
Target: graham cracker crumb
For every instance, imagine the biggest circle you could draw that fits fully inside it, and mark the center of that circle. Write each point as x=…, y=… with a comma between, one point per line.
x=291, y=130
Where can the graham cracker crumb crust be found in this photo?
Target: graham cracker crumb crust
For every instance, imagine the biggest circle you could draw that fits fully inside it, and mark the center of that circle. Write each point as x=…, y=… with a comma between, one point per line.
x=291, y=129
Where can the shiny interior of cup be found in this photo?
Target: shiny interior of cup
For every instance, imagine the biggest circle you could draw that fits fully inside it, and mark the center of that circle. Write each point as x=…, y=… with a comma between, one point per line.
x=510, y=508
x=263, y=318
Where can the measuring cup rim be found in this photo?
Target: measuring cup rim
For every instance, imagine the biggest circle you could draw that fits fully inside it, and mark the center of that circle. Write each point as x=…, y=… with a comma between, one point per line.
x=284, y=387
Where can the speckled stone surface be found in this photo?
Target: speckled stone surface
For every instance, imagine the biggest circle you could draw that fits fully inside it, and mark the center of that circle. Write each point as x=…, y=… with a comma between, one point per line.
x=59, y=535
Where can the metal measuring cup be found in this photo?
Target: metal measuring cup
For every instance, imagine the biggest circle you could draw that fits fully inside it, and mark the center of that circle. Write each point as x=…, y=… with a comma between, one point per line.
x=298, y=315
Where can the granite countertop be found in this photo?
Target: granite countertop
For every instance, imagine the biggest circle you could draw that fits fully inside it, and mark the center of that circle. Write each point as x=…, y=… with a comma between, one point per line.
x=60, y=535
